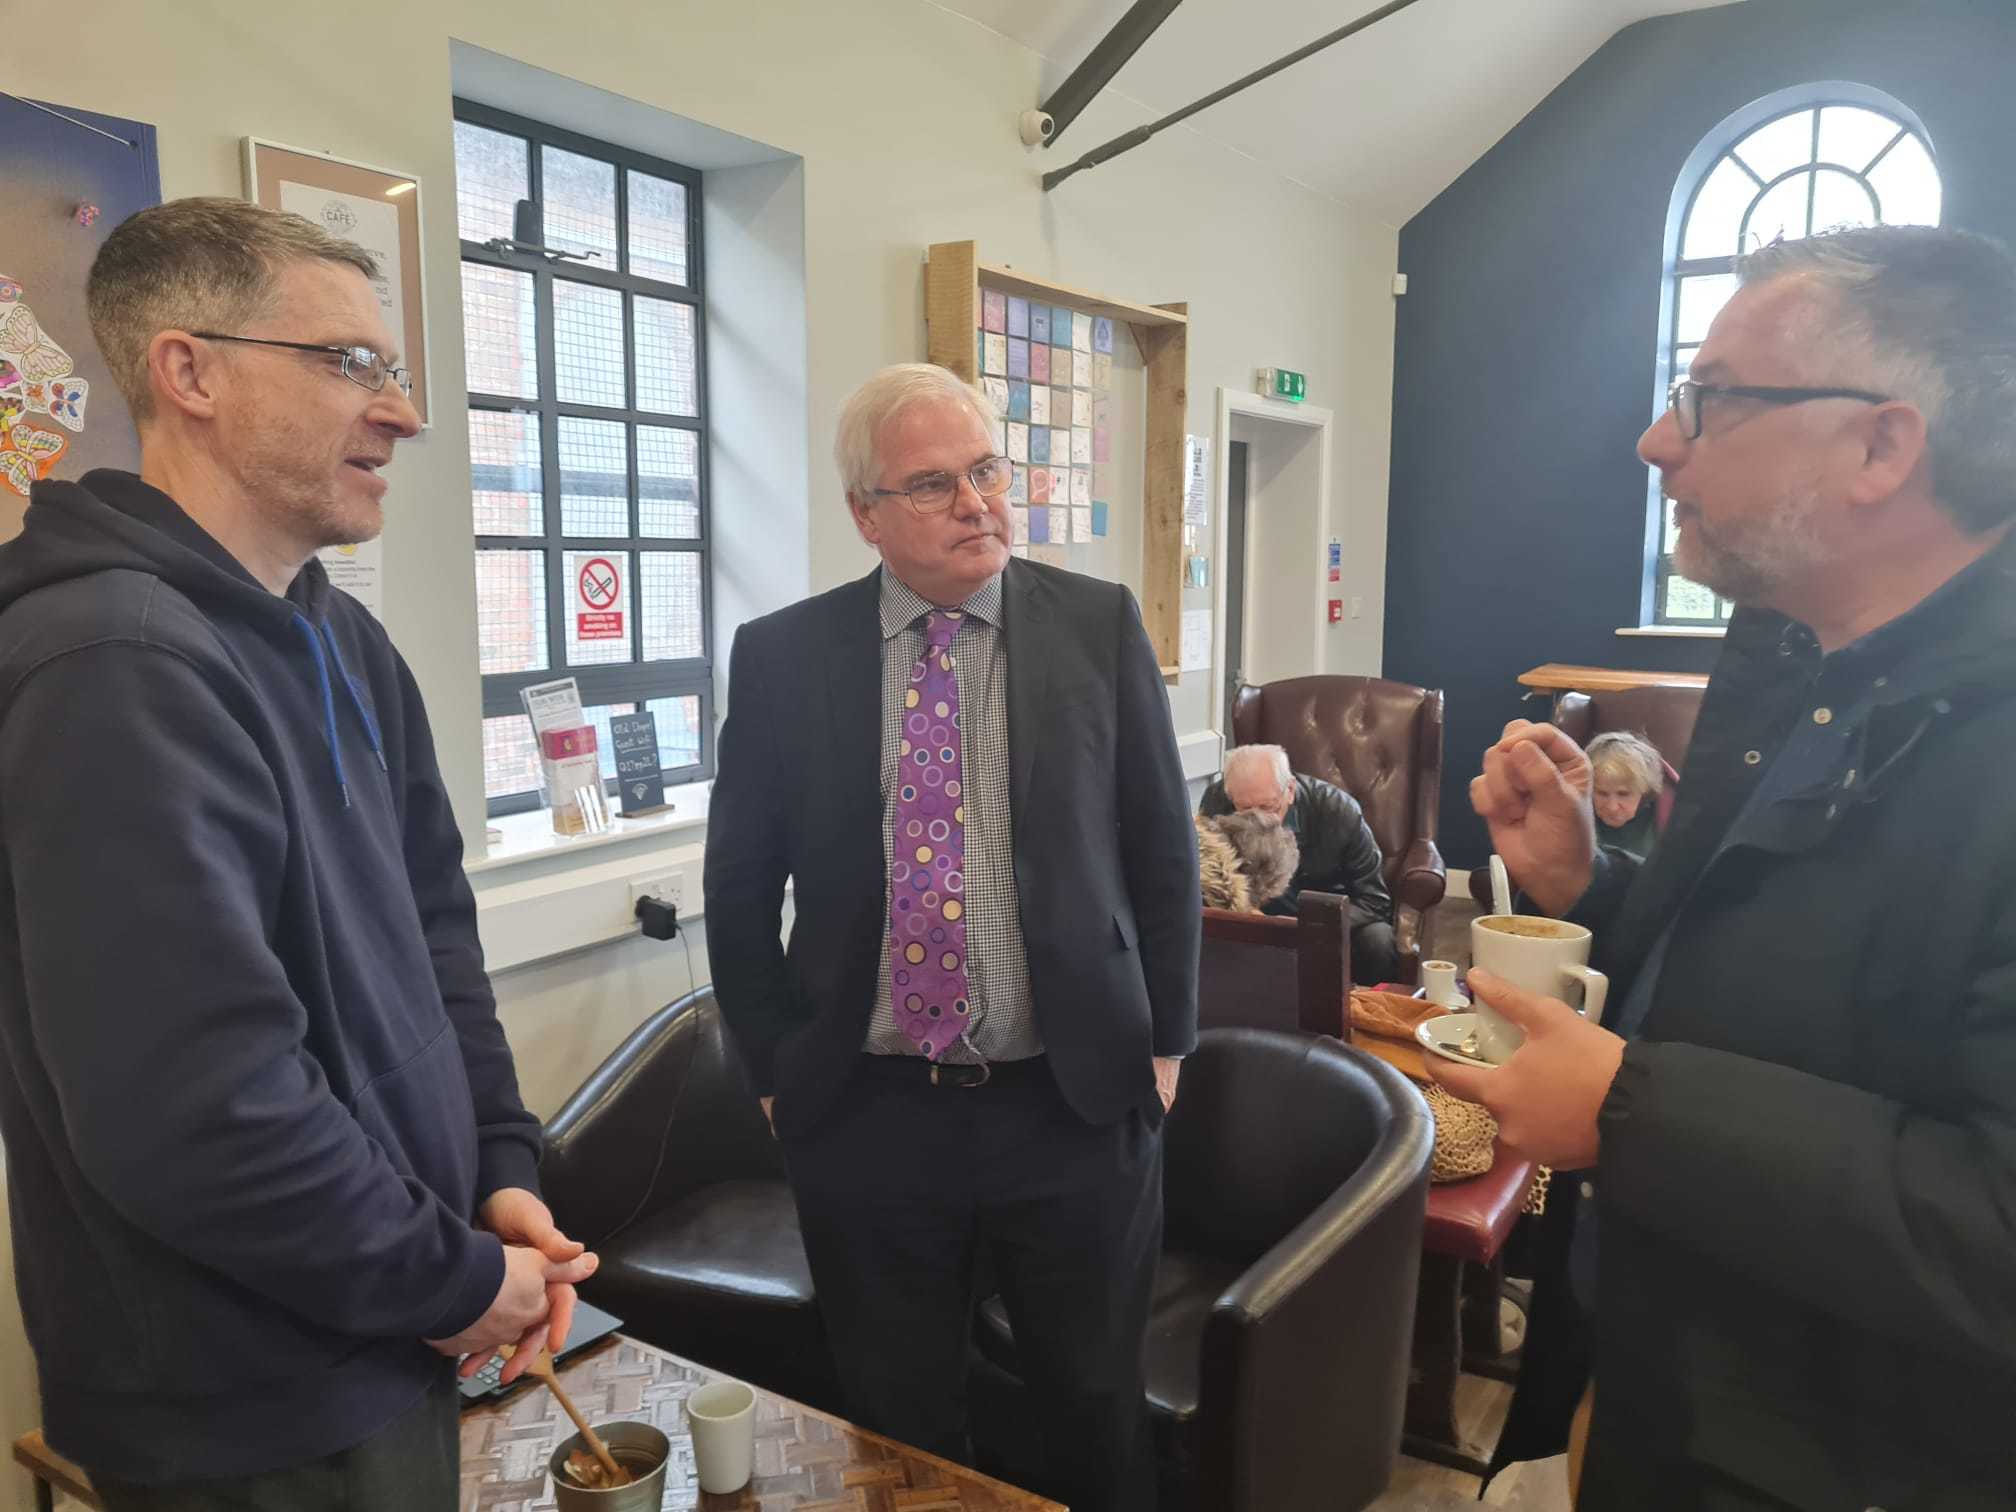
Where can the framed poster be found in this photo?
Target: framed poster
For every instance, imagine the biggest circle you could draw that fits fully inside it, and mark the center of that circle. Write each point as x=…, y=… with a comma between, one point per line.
x=67, y=177
x=376, y=208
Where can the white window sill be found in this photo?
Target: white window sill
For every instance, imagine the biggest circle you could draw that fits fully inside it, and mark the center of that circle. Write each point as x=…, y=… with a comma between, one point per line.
x=1678, y=632
x=521, y=838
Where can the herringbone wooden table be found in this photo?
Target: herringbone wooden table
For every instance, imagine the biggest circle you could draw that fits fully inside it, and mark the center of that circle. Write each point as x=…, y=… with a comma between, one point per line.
x=806, y=1461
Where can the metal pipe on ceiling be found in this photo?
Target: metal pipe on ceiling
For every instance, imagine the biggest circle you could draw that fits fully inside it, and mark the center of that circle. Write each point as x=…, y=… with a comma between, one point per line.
x=1106, y=151
x=1104, y=61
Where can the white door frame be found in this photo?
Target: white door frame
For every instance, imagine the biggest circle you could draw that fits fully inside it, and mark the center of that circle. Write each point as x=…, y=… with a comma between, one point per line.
x=1257, y=406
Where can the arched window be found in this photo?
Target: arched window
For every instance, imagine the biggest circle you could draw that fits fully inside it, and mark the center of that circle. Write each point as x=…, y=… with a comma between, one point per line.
x=1798, y=162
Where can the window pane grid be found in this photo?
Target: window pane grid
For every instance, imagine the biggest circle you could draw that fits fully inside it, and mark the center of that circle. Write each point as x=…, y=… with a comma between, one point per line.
x=500, y=331
x=509, y=491
x=579, y=196
x=668, y=483
x=666, y=371
x=511, y=610
x=678, y=728
x=608, y=457
x=588, y=343
x=490, y=179
x=594, y=479
x=510, y=757
x=657, y=227
x=669, y=588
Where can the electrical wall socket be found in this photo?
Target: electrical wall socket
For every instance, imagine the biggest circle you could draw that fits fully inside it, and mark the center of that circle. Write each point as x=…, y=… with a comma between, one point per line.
x=666, y=887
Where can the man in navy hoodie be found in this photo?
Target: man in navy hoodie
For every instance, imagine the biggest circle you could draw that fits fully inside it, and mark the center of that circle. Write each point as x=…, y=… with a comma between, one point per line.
x=268, y=1167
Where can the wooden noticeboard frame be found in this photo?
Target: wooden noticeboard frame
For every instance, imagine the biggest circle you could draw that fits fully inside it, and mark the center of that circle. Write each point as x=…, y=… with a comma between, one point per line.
x=953, y=278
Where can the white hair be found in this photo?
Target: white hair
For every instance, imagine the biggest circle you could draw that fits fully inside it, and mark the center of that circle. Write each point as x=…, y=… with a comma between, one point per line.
x=881, y=399
x=1243, y=756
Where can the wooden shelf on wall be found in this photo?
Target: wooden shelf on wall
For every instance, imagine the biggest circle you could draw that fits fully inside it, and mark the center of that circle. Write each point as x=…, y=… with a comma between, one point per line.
x=953, y=278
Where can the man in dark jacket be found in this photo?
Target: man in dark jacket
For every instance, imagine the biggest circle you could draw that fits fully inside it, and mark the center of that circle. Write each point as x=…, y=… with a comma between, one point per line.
x=1339, y=853
x=1803, y=1129
x=267, y=1164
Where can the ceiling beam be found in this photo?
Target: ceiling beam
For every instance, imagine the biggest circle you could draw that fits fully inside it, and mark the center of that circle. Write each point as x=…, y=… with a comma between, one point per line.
x=1127, y=141
x=1105, y=60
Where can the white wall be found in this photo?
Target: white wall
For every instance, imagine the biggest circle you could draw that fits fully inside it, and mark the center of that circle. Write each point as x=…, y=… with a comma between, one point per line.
x=900, y=115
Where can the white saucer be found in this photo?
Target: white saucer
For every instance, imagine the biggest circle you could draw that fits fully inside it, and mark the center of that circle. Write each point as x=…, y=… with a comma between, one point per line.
x=1420, y=995
x=1442, y=1036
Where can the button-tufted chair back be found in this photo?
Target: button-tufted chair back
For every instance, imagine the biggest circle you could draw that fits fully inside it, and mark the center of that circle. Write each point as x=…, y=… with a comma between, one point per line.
x=1379, y=741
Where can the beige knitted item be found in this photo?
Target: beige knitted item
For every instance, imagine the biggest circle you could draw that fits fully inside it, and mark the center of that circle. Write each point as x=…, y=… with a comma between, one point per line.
x=1465, y=1135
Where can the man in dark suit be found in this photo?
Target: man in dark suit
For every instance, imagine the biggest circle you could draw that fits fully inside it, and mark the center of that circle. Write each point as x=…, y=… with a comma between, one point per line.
x=964, y=765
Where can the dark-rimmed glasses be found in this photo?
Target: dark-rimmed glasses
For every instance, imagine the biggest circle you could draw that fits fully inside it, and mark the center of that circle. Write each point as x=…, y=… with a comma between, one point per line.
x=361, y=365
x=934, y=493
x=1685, y=396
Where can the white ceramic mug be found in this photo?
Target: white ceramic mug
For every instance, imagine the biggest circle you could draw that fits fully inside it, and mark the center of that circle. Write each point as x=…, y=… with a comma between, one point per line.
x=1547, y=956
x=723, y=1419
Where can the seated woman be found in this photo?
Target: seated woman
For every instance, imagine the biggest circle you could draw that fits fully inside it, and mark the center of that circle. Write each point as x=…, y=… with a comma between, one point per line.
x=1629, y=775
x=1245, y=860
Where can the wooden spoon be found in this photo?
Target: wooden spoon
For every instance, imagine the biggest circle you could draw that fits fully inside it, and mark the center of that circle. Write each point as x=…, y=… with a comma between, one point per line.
x=542, y=1367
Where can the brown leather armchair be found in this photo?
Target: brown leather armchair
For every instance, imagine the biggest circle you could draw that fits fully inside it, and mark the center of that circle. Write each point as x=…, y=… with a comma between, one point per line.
x=1295, y=1180
x=1262, y=971
x=1663, y=716
x=662, y=1163
x=1381, y=742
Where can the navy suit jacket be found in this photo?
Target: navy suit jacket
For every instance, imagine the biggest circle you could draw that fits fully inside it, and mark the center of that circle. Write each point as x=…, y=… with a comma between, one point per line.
x=1105, y=853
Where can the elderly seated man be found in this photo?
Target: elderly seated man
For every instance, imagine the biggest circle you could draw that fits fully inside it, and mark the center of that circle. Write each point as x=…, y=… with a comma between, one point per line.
x=1339, y=854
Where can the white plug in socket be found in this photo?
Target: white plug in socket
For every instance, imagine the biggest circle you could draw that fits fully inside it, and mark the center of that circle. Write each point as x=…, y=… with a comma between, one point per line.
x=666, y=887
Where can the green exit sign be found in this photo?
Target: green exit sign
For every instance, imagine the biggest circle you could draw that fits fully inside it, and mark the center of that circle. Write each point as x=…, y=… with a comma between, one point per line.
x=1284, y=383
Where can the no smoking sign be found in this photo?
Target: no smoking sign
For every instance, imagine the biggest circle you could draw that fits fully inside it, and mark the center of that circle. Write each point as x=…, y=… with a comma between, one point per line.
x=598, y=599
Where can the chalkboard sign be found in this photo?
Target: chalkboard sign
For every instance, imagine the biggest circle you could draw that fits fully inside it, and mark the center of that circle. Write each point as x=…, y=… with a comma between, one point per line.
x=639, y=781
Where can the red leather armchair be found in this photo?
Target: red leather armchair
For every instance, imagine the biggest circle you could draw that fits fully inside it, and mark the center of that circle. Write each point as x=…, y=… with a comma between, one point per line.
x=1381, y=742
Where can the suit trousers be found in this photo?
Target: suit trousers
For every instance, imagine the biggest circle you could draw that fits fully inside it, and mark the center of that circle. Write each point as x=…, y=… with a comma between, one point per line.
x=903, y=1189
x=413, y=1464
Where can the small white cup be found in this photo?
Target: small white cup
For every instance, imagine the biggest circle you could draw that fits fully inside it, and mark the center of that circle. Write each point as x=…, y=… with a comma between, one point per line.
x=1547, y=956
x=1438, y=983
x=723, y=1420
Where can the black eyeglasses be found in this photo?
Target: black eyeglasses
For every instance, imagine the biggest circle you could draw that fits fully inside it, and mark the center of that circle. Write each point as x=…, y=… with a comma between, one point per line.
x=361, y=365
x=1685, y=396
x=934, y=494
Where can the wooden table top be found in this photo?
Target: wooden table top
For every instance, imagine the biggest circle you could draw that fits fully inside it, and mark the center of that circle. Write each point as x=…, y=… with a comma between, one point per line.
x=806, y=1460
x=1557, y=677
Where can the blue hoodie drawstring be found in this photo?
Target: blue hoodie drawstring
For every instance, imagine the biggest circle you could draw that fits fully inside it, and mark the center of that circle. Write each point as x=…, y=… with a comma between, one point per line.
x=315, y=651
x=356, y=699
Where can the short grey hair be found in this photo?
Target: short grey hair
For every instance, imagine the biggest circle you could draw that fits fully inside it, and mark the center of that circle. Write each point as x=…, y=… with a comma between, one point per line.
x=881, y=399
x=1241, y=757
x=1617, y=753
x=200, y=264
x=1931, y=315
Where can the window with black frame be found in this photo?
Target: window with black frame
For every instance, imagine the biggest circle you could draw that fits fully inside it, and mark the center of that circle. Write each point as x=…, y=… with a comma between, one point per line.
x=585, y=342
x=1820, y=162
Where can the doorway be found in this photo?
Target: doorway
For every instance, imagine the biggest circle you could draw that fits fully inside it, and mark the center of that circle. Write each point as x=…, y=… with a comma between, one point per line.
x=1274, y=488
x=1234, y=572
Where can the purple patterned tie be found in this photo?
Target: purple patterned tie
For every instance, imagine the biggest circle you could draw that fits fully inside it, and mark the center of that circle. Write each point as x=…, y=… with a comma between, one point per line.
x=927, y=854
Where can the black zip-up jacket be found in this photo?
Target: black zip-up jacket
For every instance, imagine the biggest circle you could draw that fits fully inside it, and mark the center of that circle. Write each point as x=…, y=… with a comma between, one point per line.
x=1806, y=1289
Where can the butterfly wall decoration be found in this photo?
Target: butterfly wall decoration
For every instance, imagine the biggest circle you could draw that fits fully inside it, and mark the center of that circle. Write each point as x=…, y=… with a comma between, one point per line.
x=35, y=385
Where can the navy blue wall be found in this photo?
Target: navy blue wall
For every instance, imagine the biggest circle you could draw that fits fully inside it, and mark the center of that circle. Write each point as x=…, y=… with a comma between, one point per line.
x=1526, y=344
